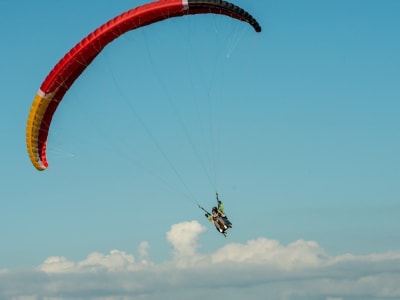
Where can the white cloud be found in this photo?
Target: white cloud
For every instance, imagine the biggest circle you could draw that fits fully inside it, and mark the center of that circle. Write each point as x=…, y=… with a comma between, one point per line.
x=296, y=255
x=56, y=264
x=143, y=250
x=113, y=262
x=257, y=269
x=184, y=238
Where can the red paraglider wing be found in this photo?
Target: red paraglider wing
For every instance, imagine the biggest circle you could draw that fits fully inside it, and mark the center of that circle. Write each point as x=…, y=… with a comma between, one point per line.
x=69, y=68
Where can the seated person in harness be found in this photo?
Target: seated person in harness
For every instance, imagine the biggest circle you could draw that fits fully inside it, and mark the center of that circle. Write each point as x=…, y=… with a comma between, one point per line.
x=218, y=218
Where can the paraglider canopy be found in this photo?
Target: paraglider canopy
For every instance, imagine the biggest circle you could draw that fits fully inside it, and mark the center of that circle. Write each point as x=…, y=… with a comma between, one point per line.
x=69, y=68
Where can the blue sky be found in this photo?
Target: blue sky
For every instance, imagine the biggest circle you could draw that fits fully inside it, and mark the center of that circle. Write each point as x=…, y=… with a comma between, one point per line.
x=297, y=128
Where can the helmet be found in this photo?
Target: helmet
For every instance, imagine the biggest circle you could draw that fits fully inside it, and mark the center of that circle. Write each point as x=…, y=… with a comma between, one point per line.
x=215, y=209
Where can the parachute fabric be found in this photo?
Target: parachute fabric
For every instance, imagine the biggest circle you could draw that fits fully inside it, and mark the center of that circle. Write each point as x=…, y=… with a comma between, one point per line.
x=69, y=68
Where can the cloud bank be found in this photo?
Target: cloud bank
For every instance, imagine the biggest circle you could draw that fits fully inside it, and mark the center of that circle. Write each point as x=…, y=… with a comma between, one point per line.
x=258, y=269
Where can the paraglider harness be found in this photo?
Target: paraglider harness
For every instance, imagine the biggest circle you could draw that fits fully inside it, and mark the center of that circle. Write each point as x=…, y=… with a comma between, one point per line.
x=220, y=218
